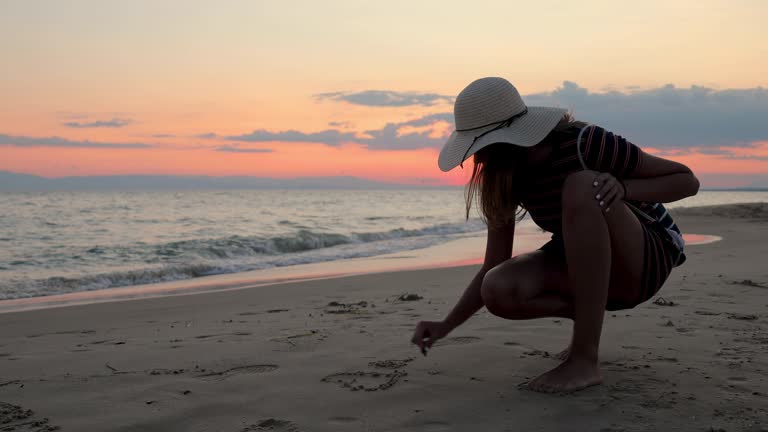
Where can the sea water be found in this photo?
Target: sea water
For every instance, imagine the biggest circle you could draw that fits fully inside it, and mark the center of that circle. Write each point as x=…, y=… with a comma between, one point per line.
x=63, y=242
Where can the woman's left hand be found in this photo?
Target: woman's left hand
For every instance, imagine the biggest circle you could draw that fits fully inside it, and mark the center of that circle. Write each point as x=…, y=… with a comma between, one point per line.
x=608, y=190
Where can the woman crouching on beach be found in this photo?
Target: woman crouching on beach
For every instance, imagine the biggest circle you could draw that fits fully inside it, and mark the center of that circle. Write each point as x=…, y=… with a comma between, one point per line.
x=613, y=243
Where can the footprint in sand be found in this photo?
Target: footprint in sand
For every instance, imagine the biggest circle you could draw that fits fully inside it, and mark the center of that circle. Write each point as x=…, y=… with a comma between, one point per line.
x=365, y=381
x=458, y=340
x=239, y=370
x=339, y=308
x=69, y=332
x=17, y=419
x=63, y=332
x=749, y=282
x=161, y=371
x=390, y=364
x=302, y=341
x=742, y=317
x=666, y=359
x=208, y=336
x=706, y=313
x=645, y=389
x=272, y=424
x=104, y=342
x=537, y=353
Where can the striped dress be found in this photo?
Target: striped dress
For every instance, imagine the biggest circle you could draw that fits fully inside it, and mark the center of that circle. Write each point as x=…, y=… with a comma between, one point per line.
x=603, y=151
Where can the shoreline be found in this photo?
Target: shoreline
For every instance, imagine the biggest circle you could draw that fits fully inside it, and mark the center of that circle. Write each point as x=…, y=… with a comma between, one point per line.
x=455, y=253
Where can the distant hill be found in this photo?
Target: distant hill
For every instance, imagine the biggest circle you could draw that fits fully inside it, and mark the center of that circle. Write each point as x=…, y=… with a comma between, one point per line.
x=10, y=181
x=760, y=184
x=742, y=189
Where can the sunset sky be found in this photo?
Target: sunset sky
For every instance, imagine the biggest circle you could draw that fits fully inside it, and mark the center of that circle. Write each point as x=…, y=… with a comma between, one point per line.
x=361, y=88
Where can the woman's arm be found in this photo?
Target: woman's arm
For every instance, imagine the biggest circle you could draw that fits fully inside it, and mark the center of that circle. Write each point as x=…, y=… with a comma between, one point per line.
x=645, y=177
x=660, y=180
x=497, y=250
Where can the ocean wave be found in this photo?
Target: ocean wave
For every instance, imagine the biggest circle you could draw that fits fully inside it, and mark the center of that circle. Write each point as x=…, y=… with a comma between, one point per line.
x=299, y=241
x=195, y=258
x=64, y=285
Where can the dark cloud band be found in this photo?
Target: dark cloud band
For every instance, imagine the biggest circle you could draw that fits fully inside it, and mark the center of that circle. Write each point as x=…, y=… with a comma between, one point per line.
x=20, y=141
x=385, y=98
x=114, y=123
x=231, y=149
x=666, y=117
x=669, y=116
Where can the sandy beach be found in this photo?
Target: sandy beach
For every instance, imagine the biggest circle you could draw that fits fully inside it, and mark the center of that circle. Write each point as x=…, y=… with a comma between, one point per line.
x=334, y=355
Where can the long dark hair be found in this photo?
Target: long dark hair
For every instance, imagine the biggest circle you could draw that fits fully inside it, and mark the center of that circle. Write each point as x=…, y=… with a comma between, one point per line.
x=499, y=175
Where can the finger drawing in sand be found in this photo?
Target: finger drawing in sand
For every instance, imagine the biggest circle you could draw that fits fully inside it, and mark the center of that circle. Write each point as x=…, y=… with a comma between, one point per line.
x=613, y=243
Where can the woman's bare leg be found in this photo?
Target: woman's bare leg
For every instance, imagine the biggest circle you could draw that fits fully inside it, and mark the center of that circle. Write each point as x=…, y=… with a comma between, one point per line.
x=604, y=254
x=528, y=286
x=602, y=250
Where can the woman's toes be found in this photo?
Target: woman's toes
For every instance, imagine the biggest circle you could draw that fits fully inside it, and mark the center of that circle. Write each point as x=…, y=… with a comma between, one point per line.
x=541, y=384
x=568, y=377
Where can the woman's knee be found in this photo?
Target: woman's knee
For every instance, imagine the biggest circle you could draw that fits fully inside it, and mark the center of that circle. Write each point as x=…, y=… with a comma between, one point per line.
x=501, y=294
x=578, y=194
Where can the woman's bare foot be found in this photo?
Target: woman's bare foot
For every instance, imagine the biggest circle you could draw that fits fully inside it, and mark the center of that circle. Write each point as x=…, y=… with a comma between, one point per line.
x=564, y=354
x=571, y=375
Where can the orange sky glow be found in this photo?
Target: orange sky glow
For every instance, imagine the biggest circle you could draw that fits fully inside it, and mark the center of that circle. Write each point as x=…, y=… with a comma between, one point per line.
x=167, y=80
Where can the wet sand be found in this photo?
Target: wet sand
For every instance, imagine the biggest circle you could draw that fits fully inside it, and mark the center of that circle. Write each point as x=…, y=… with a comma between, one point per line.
x=334, y=355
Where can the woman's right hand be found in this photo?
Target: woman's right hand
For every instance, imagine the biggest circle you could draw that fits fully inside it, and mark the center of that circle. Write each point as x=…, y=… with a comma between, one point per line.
x=428, y=332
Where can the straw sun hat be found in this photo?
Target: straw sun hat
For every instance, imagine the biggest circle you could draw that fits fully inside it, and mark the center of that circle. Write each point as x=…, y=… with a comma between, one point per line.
x=490, y=110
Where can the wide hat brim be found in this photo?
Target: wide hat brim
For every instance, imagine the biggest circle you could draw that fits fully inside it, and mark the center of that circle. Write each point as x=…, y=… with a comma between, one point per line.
x=525, y=131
